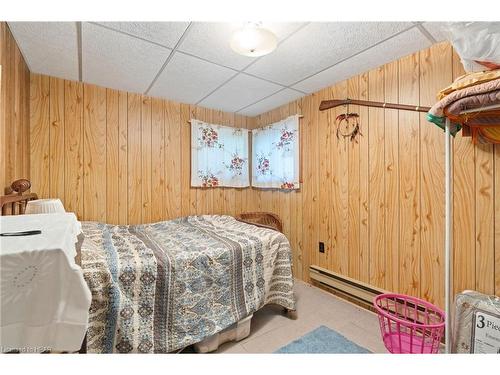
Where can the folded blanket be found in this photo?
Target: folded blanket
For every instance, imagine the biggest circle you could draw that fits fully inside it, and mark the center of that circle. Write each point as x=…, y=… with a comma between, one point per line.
x=469, y=79
x=483, y=88
x=472, y=97
x=470, y=103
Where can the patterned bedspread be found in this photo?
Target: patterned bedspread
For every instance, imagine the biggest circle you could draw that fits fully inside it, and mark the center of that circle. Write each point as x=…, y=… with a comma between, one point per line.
x=160, y=287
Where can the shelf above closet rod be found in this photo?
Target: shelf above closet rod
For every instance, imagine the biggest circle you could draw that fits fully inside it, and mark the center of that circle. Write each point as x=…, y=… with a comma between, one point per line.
x=327, y=104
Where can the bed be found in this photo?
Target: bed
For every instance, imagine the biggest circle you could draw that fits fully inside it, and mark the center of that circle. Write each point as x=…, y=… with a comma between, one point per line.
x=160, y=287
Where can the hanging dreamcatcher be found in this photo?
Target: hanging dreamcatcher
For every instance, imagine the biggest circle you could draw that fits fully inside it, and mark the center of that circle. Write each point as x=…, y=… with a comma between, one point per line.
x=348, y=126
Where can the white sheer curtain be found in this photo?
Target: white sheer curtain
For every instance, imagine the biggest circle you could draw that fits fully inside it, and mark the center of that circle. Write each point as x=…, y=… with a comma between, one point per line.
x=275, y=155
x=219, y=155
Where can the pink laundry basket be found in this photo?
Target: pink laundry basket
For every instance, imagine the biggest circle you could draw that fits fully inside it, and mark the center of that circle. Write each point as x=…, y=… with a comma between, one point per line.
x=408, y=324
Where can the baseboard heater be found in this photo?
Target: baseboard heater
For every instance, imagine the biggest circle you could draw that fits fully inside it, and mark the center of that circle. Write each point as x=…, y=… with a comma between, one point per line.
x=352, y=288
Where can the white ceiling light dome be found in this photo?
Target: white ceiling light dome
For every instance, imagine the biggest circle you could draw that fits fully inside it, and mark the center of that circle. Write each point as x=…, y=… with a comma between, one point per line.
x=253, y=40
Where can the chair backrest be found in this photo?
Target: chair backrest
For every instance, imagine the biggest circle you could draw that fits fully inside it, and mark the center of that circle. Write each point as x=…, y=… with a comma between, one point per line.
x=15, y=203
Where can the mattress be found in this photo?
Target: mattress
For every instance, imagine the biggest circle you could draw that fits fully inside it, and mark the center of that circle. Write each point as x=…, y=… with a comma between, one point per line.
x=157, y=288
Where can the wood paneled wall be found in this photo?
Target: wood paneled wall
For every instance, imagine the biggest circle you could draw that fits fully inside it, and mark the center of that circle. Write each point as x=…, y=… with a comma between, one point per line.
x=119, y=157
x=14, y=112
x=378, y=205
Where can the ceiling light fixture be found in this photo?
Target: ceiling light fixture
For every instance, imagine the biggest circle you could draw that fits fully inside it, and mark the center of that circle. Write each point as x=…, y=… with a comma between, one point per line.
x=253, y=40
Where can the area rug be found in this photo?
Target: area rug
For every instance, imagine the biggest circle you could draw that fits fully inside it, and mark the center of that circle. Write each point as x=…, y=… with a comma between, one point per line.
x=322, y=340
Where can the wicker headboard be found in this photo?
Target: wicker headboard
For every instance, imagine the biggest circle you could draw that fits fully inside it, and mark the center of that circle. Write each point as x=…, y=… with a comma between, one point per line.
x=262, y=219
x=15, y=203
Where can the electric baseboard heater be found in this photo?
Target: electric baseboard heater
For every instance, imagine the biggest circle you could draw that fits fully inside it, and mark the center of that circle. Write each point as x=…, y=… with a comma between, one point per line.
x=356, y=289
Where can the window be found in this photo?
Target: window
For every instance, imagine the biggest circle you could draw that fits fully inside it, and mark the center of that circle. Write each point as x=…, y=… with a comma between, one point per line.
x=275, y=155
x=219, y=155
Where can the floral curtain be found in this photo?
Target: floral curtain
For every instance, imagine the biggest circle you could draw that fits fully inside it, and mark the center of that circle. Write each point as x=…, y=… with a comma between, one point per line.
x=276, y=154
x=219, y=155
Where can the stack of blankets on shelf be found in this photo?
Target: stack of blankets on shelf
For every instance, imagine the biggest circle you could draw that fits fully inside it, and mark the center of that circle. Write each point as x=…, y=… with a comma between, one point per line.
x=477, y=93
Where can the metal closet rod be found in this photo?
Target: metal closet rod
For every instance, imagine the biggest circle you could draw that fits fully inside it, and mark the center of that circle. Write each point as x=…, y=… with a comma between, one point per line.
x=327, y=104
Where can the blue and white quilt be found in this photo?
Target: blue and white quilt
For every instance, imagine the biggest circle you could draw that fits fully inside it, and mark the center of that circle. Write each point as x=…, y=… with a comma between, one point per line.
x=160, y=287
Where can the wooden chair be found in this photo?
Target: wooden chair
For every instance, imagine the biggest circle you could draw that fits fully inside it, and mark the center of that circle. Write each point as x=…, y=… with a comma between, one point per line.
x=15, y=202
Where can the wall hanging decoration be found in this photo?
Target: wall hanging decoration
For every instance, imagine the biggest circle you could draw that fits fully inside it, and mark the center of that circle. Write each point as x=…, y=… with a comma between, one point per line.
x=348, y=126
x=219, y=155
x=276, y=155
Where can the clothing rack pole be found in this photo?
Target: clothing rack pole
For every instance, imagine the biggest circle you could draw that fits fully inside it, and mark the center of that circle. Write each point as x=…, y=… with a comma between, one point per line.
x=447, y=237
x=327, y=104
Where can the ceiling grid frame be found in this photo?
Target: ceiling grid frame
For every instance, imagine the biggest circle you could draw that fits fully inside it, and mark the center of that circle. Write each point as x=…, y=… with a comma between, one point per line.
x=283, y=90
x=242, y=71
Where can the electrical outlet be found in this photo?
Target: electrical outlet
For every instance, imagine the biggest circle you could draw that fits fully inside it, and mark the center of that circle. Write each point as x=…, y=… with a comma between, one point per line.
x=321, y=247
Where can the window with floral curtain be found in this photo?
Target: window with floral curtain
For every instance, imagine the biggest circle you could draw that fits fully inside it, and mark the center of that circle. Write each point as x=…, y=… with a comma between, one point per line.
x=219, y=155
x=276, y=154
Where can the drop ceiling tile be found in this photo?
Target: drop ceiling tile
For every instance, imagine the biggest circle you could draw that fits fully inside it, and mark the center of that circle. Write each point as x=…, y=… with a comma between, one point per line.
x=274, y=101
x=188, y=79
x=437, y=30
x=241, y=91
x=165, y=33
x=320, y=45
x=118, y=61
x=48, y=47
x=210, y=40
x=401, y=45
